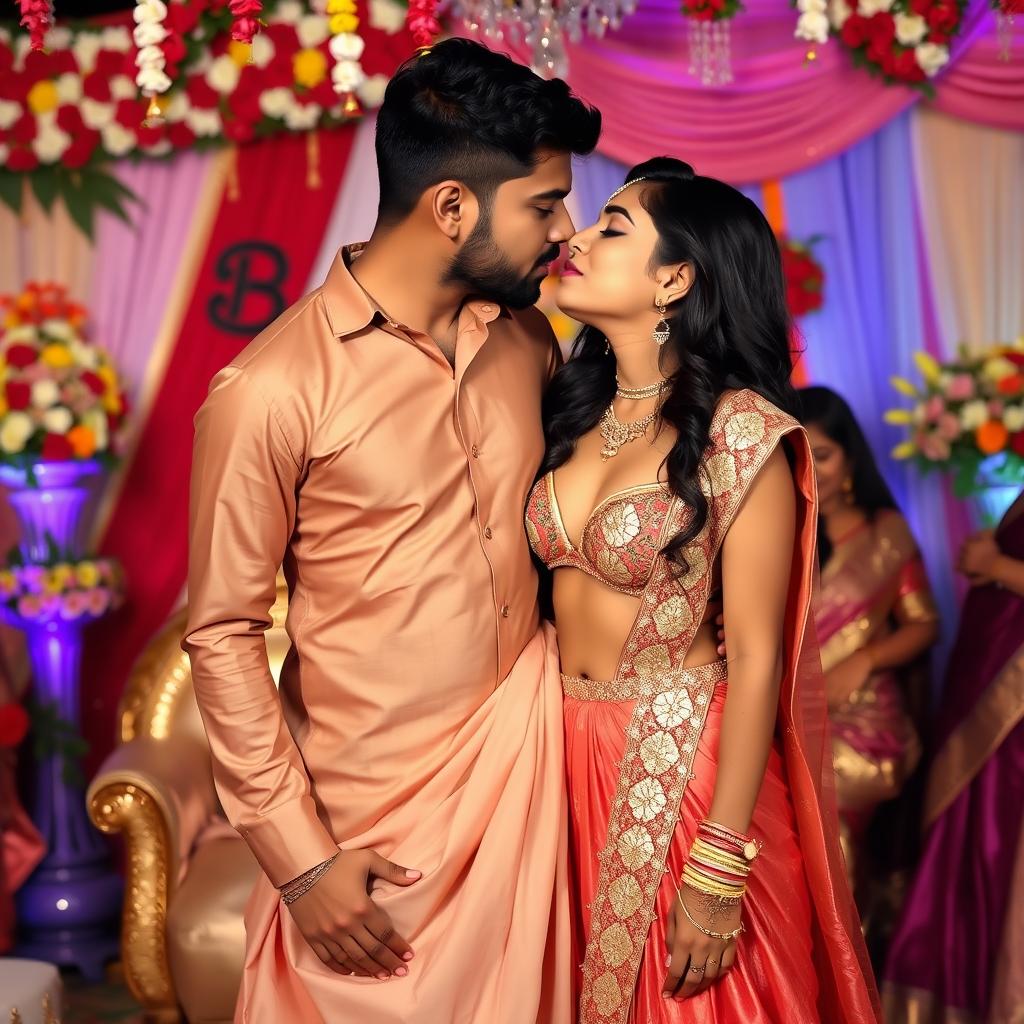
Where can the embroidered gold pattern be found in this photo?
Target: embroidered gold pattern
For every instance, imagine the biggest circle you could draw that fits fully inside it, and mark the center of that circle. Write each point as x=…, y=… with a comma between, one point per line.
x=620, y=524
x=671, y=705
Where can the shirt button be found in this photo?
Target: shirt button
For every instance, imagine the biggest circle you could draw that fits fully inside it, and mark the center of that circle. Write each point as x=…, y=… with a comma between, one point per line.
x=488, y=532
x=476, y=452
x=504, y=611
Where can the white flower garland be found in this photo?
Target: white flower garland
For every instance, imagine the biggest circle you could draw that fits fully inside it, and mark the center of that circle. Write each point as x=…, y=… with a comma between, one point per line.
x=150, y=31
x=813, y=23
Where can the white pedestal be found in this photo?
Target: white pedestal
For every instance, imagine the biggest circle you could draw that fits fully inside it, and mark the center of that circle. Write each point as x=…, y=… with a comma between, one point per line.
x=30, y=992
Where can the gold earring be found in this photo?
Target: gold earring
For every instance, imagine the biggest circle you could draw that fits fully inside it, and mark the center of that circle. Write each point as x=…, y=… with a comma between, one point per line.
x=848, y=495
x=661, y=332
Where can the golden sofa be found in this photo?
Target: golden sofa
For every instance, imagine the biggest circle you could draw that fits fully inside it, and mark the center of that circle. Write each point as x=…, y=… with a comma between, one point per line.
x=188, y=874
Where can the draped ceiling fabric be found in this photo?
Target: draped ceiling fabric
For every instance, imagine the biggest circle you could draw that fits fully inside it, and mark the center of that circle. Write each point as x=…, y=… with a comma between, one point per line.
x=780, y=114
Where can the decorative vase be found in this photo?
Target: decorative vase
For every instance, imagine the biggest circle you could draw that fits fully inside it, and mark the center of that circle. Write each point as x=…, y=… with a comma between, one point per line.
x=68, y=909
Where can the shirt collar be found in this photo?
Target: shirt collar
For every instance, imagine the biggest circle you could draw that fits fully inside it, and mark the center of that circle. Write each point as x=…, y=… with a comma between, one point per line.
x=349, y=308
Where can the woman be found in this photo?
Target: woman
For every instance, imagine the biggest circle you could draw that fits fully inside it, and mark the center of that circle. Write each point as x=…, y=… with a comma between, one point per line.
x=957, y=953
x=875, y=619
x=708, y=875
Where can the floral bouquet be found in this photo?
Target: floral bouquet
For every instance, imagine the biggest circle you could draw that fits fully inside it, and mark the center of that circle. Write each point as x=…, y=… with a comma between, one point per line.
x=61, y=398
x=968, y=412
x=805, y=276
x=61, y=588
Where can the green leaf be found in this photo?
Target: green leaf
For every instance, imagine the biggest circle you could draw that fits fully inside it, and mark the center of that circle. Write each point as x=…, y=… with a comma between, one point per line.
x=81, y=208
x=12, y=189
x=45, y=185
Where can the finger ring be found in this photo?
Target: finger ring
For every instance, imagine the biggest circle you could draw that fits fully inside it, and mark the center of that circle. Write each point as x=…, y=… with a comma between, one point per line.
x=712, y=962
x=696, y=970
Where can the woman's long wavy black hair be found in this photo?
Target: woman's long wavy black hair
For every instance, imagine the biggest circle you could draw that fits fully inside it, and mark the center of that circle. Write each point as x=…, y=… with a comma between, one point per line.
x=731, y=330
x=829, y=412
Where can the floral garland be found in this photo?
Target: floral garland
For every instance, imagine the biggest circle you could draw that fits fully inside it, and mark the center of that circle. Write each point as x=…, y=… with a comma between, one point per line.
x=967, y=411
x=422, y=22
x=61, y=398
x=905, y=41
x=64, y=589
x=37, y=17
x=805, y=276
x=66, y=111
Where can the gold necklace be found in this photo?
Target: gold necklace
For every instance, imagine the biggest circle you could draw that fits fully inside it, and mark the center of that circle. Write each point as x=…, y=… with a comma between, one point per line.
x=638, y=394
x=616, y=434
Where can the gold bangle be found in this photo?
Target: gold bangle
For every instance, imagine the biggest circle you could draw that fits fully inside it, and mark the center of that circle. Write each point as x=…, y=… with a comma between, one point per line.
x=705, y=883
x=724, y=936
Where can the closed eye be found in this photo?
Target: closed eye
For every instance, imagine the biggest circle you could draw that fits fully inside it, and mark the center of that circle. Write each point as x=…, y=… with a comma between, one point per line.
x=544, y=211
x=609, y=233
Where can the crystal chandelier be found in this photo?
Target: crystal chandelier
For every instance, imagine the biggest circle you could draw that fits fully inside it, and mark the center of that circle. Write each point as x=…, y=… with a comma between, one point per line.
x=543, y=25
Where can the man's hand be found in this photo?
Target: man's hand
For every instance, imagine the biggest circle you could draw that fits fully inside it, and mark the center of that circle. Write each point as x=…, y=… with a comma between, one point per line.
x=979, y=557
x=343, y=925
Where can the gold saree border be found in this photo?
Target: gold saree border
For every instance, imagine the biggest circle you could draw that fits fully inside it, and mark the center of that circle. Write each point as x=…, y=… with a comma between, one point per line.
x=668, y=719
x=976, y=739
x=910, y=1005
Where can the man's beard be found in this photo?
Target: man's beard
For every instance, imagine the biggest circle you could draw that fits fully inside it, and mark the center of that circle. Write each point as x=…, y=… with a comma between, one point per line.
x=487, y=272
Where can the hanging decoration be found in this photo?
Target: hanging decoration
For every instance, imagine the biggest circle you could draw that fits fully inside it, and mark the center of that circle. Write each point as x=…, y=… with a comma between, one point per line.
x=710, y=38
x=246, y=24
x=805, y=276
x=904, y=41
x=37, y=17
x=812, y=25
x=1006, y=10
x=421, y=20
x=68, y=110
x=544, y=25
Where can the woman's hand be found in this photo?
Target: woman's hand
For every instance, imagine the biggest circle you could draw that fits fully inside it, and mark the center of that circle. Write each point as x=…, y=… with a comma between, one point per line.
x=978, y=558
x=695, y=960
x=847, y=677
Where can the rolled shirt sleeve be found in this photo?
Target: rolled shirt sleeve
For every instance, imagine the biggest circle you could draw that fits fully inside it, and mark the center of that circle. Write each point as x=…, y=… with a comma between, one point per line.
x=245, y=472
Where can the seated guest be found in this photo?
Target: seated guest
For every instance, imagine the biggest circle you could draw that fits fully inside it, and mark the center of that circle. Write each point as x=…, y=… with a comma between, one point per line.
x=875, y=619
x=958, y=953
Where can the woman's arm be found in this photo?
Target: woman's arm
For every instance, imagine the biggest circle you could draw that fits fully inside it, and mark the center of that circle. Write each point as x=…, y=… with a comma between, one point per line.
x=757, y=557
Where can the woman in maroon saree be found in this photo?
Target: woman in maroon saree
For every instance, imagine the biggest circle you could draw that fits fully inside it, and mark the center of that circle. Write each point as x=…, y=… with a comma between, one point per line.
x=954, y=958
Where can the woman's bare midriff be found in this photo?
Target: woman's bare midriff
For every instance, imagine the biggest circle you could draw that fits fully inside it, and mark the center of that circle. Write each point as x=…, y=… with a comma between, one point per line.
x=594, y=623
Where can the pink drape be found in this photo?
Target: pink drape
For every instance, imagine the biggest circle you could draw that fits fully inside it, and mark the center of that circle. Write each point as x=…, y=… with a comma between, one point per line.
x=780, y=114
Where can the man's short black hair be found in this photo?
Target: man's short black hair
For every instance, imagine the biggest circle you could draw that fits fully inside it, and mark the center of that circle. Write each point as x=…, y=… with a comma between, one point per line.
x=464, y=112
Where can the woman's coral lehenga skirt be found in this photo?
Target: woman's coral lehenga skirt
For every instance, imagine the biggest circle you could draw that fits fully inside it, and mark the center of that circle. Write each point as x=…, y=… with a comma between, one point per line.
x=774, y=979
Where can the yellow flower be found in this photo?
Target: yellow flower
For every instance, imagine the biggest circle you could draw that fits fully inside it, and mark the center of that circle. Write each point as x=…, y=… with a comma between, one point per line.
x=903, y=386
x=112, y=401
x=899, y=416
x=905, y=450
x=309, y=67
x=998, y=368
x=56, y=578
x=240, y=53
x=107, y=374
x=3, y=406
x=341, y=23
x=929, y=367
x=43, y=97
x=341, y=7
x=57, y=356
x=87, y=573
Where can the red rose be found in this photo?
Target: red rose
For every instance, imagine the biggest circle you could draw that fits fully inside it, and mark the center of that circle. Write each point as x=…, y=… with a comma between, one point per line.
x=180, y=135
x=94, y=383
x=174, y=48
x=854, y=31
x=920, y=7
x=1010, y=385
x=239, y=131
x=96, y=87
x=938, y=38
x=906, y=67
x=130, y=113
x=22, y=160
x=21, y=355
x=183, y=17
x=881, y=28
x=1017, y=358
x=943, y=17
x=57, y=448
x=150, y=134
x=201, y=93
x=24, y=129
x=70, y=119
x=110, y=63
x=13, y=724
x=18, y=394
x=1017, y=442
x=83, y=145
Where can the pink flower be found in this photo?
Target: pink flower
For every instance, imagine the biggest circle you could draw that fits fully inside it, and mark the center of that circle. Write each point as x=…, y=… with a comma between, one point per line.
x=97, y=600
x=31, y=577
x=73, y=604
x=934, y=447
x=949, y=426
x=934, y=408
x=30, y=606
x=961, y=387
x=995, y=408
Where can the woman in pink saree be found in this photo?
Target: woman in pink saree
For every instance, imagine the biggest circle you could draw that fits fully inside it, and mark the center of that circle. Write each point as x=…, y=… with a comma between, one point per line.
x=957, y=956
x=875, y=620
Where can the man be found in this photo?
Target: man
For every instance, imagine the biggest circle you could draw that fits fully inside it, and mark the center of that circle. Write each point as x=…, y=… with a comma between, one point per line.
x=380, y=439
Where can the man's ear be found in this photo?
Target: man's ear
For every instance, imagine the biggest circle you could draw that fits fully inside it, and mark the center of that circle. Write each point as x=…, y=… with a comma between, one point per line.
x=454, y=209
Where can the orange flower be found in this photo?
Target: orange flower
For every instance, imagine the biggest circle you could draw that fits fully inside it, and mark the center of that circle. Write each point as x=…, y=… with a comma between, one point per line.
x=991, y=437
x=83, y=440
